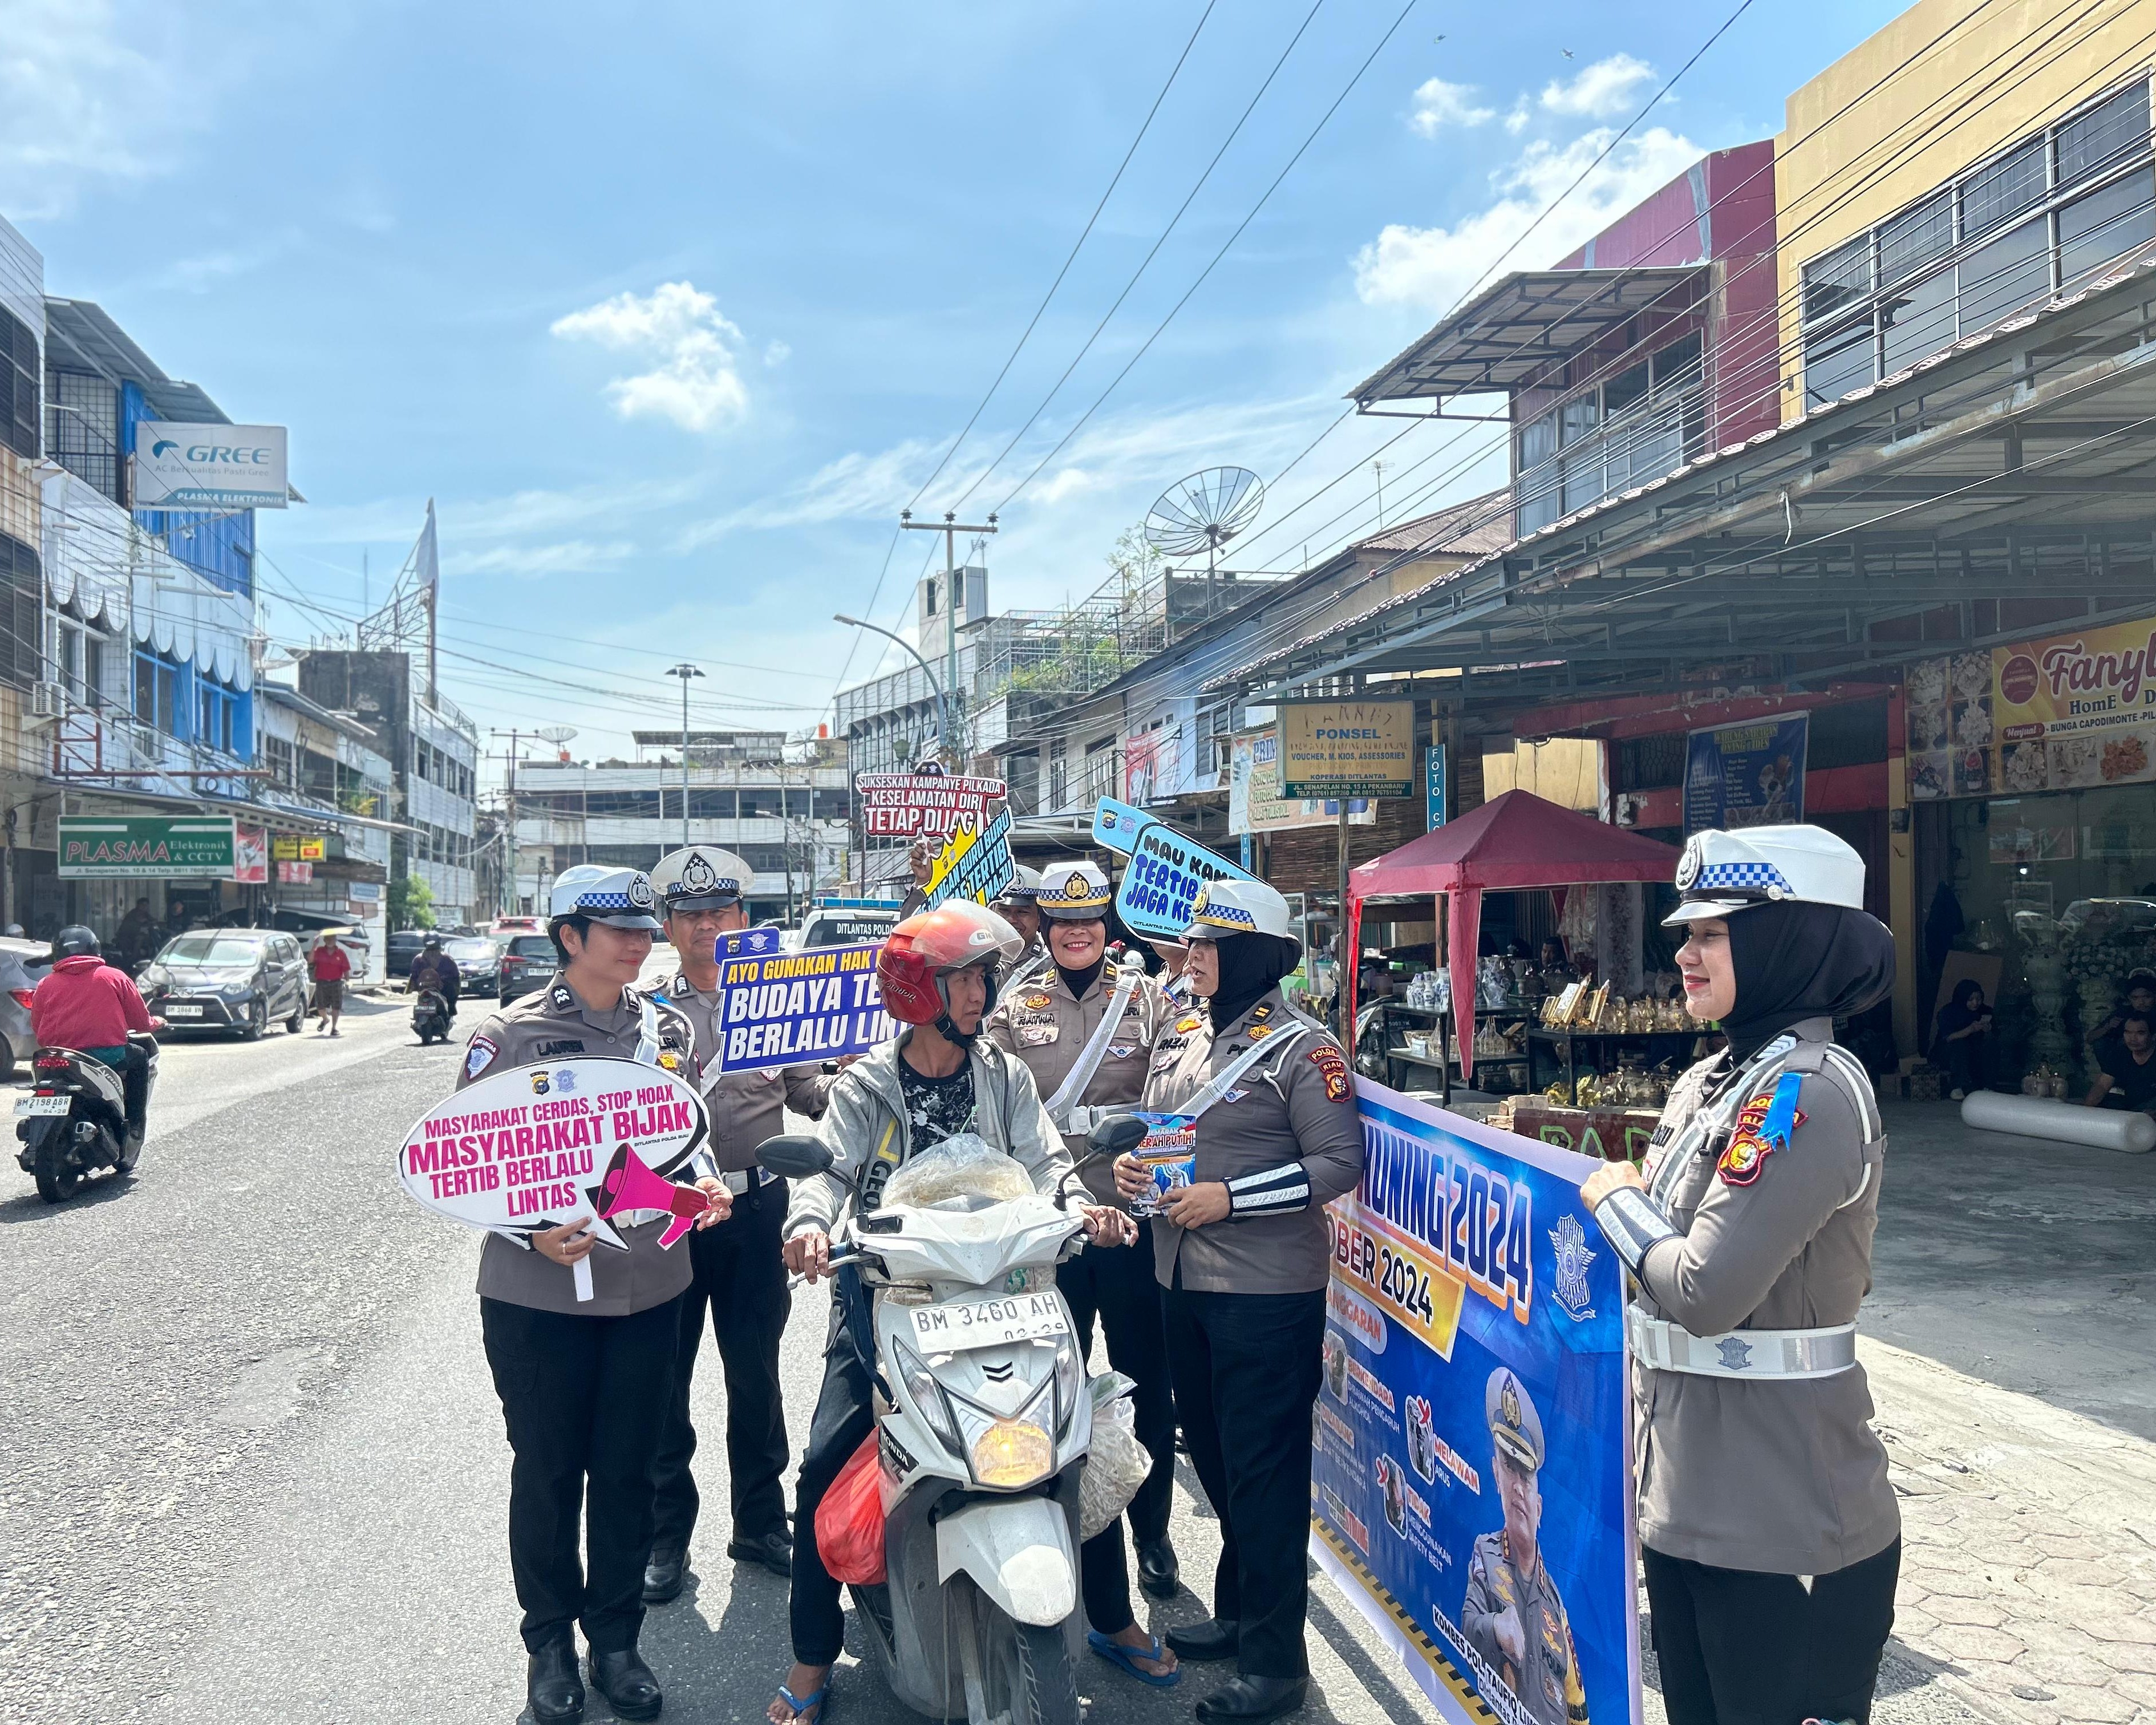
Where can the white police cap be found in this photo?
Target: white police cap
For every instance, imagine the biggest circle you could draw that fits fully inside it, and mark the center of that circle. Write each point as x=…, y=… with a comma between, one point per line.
x=1024, y=887
x=1516, y=1429
x=700, y=878
x=1722, y=873
x=1073, y=892
x=621, y=898
x=1226, y=907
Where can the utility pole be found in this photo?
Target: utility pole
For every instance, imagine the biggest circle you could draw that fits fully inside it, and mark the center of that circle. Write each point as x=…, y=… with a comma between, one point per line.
x=950, y=528
x=509, y=835
x=688, y=673
x=1379, y=469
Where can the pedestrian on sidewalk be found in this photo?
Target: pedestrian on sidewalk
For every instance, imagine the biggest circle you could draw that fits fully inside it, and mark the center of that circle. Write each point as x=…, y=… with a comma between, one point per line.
x=1769, y=1535
x=585, y=1384
x=329, y=966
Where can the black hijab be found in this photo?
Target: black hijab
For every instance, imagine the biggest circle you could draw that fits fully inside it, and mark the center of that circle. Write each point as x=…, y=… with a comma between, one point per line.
x=1079, y=981
x=1795, y=960
x=1249, y=965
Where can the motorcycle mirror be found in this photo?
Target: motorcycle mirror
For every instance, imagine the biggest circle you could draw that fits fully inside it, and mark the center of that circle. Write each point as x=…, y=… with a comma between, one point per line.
x=1115, y=1135
x=796, y=1155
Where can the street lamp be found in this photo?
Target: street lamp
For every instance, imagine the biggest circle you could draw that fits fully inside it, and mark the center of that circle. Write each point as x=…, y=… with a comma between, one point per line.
x=944, y=740
x=685, y=672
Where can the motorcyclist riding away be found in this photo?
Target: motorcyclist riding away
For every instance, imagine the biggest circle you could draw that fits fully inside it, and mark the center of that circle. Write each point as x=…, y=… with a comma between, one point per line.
x=938, y=1078
x=85, y=1004
x=433, y=969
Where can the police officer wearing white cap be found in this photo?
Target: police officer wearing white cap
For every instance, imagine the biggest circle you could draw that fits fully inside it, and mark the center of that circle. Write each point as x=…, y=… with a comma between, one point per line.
x=1019, y=904
x=1243, y=1253
x=1085, y=1027
x=738, y=1276
x=584, y=1384
x=1770, y=1536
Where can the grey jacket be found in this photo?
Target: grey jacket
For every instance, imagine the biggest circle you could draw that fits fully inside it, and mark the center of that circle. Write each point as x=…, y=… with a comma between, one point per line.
x=1781, y=1475
x=865, y=1123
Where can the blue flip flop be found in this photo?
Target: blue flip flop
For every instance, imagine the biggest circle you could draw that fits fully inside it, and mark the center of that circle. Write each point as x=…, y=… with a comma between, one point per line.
x=1116, y=1653
x=816, y=1703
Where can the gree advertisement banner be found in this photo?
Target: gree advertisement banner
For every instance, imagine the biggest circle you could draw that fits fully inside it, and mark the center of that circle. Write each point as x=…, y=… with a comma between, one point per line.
x=1161, y=882
x=147, y=848
x=188, y=466
x=1347, y=748
x=777, y=1008
x=1470, y=1481
x=2066, y=712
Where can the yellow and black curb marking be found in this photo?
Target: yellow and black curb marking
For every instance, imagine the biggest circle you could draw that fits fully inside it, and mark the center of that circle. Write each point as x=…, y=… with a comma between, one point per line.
x=1433, y=1655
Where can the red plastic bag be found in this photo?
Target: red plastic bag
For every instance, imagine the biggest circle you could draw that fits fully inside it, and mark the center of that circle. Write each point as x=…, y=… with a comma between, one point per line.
x=849, y=1520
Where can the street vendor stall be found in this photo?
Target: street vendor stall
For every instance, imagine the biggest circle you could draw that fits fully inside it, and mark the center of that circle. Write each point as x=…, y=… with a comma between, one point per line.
x=1516, y=842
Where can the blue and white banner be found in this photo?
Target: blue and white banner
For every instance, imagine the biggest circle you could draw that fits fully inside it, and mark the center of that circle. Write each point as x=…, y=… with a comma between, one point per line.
x=778, y=1008
x=1746, y=775
x=1471, y=1480
x=1165, y=871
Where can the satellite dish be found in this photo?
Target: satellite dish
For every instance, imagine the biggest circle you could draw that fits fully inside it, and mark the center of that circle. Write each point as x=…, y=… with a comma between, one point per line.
x=557, y=734
x=1203, y=512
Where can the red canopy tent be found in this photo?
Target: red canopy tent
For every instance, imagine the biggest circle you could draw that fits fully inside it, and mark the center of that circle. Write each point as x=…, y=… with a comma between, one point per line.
x=1518, y=841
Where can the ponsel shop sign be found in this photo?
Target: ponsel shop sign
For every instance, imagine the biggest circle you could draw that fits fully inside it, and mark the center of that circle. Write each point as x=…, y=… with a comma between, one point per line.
x=183, y=466
x=1347, y=748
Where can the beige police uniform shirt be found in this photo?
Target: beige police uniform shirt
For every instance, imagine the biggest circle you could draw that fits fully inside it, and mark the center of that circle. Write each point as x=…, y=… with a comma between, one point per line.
x=1295, y=1110
x=1783, y=1475
x=1047, y=1028
x=552, y=1024
x=746, y=1107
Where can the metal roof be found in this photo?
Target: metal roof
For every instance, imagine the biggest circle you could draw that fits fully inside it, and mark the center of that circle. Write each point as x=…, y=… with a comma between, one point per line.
x=79, y=336
x=1517, y=330
x=2007, y=475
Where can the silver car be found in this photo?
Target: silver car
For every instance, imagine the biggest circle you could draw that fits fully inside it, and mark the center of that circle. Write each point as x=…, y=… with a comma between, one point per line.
x=22, y=966
x=238, y=980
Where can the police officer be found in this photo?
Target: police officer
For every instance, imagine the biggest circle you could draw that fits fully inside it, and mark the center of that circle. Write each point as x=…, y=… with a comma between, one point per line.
x=1512, y=1615
x=1770, y=1537
x=1019, y=905
x=1243, y=1252
x=738, y=1276
x=585, y=1384
x=1085, y=1028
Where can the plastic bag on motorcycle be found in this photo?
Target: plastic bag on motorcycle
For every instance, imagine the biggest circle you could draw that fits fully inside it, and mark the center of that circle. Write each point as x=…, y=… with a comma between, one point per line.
x=964, y=1166
x=849, y=1520
x=1117, y=1463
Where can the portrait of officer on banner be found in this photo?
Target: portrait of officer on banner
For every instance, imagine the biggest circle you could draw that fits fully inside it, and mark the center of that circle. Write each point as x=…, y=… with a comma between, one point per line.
x=1512, y=1615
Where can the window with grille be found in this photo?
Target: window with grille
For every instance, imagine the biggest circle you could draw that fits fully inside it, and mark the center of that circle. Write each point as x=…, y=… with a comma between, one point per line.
x=82, y=428
x=21, y=652
x=19, y=368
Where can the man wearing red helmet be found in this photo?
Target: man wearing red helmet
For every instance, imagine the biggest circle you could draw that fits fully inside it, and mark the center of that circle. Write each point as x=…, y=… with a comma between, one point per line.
x=937, y=1078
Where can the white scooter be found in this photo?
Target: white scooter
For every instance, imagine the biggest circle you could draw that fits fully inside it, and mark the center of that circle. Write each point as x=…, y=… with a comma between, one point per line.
x=984, y=1419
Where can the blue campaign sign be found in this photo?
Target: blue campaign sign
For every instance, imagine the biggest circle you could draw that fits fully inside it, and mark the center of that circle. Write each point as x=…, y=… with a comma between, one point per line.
x=1472, y=1468
x=1165, y=871
x=777, y=1008
x=1746, y=775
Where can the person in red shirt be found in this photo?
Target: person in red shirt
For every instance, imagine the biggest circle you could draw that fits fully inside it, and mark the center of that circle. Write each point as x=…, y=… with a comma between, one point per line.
x=84, y=1003
x=329, y=965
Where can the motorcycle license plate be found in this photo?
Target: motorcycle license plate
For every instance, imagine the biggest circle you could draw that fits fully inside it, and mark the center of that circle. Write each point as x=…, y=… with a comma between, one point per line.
x=989, y=1324
x=41, y=1104
x=184, y=1012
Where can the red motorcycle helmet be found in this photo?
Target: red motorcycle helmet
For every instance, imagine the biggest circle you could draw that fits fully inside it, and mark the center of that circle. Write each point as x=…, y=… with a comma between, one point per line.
x=927, y=947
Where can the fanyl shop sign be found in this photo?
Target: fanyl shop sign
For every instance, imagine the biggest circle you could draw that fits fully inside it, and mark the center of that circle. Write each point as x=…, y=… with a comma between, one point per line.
x=149, y=848
x=1161, y=882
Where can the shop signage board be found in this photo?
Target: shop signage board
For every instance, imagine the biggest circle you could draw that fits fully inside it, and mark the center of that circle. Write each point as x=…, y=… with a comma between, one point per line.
x=905, y=805
x=298, y=847
x=363, y=892
x=250, y=855
x=295, y=874
x=180, y=465
x=1434, y=787
x=2064, y=712
x=1255, y=802
x=146, y=847
x=777, y=1008
x=1748, y=775
x=975, y=862
x=1347, y=748
x=1161, y=880
x=1474, y=1304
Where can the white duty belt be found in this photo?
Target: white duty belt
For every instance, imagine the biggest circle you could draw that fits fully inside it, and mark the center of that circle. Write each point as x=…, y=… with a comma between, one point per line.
x=1665, y=1347
x=1060, y=1109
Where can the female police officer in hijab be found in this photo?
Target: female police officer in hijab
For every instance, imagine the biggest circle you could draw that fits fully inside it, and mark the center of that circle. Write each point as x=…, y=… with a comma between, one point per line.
x=1770, y=1536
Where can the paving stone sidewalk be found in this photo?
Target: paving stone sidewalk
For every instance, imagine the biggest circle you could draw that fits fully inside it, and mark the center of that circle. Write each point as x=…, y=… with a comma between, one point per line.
x=2028, y=1564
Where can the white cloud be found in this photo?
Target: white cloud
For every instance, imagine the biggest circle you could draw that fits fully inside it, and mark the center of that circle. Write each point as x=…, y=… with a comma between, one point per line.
x=695, y=381
x=570, y=556
x=1600, y=91
x=1432, y=267
x=1515, y=122
x=1438, y=104
x=777, y=353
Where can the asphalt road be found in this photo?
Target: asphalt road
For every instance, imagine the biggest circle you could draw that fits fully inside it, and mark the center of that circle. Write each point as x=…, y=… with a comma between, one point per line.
x=255, y=1469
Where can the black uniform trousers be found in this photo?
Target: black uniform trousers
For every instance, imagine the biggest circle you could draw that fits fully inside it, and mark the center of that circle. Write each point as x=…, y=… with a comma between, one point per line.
x=583, y=1398
x=844, y=1417
x=1247, y=1369
x=1117, y=1283
x=1738, y=1647
x=741, y=1280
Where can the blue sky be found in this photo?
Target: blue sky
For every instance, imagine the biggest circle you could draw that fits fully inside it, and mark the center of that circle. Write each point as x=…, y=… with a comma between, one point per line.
x=672, y=307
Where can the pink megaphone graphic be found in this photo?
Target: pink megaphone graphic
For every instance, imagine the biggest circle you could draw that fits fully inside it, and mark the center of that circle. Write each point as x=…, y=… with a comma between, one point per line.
x=629, y=1184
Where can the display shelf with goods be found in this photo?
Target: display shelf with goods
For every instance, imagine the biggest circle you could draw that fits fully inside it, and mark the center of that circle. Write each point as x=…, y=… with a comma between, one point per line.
x=1402, y=1042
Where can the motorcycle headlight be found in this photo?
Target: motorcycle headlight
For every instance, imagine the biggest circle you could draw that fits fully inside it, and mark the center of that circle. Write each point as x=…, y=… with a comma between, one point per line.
x=1013, y=1453
x=928, y=1396
x=1069, y=1384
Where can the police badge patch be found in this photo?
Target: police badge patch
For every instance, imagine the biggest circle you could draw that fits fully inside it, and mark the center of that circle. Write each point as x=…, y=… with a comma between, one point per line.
x=1332, y=1067
x=1035, y=1002
x=479, y=1056
x=1758, y=1135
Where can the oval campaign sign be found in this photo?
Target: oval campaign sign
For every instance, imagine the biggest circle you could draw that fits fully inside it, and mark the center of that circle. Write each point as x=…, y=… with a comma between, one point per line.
x=526, y=1149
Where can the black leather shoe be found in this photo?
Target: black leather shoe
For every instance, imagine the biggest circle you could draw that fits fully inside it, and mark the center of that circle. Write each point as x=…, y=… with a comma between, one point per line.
x=664, y=1574
x=1158, y=1573
x=774, y=1550
x=1209, y=1640
x=626, y=1681
x=551, y=1685
x=1249, y=1697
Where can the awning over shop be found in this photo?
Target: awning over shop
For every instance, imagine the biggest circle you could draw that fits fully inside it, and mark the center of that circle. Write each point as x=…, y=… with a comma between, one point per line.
x=1515, y=331
x=1515, y=842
